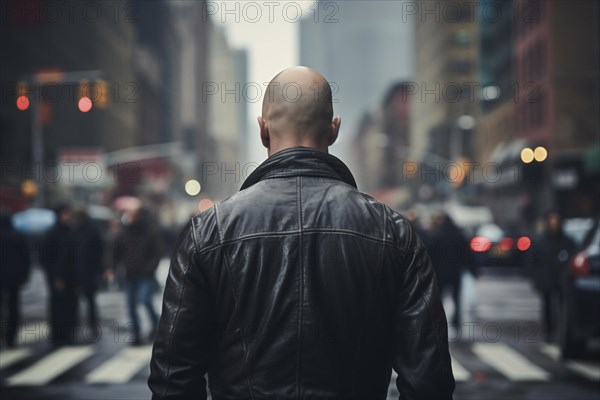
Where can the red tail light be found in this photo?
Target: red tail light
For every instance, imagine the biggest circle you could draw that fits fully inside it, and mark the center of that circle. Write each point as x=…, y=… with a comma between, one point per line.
x=506, y=243
x=580, y=265
x=480, y=244
x=523, y=243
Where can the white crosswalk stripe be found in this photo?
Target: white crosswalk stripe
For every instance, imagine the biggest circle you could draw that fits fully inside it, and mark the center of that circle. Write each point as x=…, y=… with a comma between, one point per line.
x=122, y=367
x=509, y=362
x=13, y=356
x=51, y=366
x=585, y=369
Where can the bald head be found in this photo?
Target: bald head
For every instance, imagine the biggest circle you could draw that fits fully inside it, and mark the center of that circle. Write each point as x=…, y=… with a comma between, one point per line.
x=298, y=111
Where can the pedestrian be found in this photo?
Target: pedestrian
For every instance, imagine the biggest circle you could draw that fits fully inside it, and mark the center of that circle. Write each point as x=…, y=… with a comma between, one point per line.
x=415, y=220
x=14, y=270
x=552, y=251
x=300, y=286
x=58, y=258
x=110, y=254
x=89, y=261
x=139, y=248
x=449, y=252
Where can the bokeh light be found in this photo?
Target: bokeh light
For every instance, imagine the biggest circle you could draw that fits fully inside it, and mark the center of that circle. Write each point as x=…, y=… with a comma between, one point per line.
x=527, y=155
x=192, y=187
x=22, y=103
x=540, y=154
x=85, y=104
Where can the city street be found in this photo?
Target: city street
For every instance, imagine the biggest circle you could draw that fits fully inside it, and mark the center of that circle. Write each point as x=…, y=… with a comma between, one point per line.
x=497, y=352
x=477, y=121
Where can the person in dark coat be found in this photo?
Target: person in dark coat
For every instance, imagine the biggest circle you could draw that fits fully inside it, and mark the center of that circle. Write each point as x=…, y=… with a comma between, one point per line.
x=14, y=270
x=89, y=261
x=59, y=258
x=552, y=251
x=139, y=248
x=449, y=252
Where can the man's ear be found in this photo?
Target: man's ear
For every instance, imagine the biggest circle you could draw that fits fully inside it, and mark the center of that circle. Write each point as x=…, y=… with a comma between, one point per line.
x=264, y=132
x=335, y=130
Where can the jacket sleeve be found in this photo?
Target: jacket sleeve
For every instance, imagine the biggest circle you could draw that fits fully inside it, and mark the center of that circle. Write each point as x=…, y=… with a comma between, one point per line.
x=185, y=338
x=420, y=351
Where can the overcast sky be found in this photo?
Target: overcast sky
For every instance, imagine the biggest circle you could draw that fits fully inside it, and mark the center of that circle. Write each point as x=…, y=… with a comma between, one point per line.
x=272, y=44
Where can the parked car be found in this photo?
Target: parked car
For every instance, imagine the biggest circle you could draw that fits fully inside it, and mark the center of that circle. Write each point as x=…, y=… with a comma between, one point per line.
x=493, y=247
x=580, y=296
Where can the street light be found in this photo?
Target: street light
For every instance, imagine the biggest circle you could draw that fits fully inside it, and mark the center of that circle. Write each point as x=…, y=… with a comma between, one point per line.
x=466, y=122
x=540, y=153
x=192, y=187
x=527, y=155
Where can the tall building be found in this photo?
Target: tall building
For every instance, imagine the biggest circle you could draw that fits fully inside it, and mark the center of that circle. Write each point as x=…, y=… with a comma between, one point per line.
x=158, y=49
x=246, y=125
x=362, y=48
x=552, y=103
x=381, y=147
x=193, y=29
x=497, y=142
x=446, y=75
x=224, y=96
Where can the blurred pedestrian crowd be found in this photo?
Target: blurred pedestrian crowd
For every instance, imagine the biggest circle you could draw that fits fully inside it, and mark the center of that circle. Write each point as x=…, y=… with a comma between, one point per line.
x=80, y=256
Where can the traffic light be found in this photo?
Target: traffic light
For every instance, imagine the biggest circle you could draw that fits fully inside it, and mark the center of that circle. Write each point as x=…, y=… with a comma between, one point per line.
x=22, y=97
x=93, y=93
x=29, y=188
x=85, y=102
x=102, y=94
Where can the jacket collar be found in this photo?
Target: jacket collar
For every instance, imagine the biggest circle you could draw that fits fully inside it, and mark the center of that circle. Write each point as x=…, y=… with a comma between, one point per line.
x=300, y=161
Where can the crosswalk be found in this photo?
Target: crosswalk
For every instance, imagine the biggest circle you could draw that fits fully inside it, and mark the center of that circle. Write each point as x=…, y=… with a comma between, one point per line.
x=51, y=366
x=509, y=362
x=119, y=368
x=122, y=367
x=25, y=367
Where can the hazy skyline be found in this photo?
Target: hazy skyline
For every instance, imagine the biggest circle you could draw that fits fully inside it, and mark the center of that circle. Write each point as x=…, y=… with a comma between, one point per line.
x=272, y=45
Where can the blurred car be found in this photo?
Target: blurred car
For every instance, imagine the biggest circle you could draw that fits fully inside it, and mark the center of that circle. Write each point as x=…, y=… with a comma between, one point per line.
x=580, y=296
x=468, y=218
x=578, y=228
x=493, y=247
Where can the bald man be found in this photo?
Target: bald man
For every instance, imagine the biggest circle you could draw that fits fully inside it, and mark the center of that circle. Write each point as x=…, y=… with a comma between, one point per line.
x=300, y=286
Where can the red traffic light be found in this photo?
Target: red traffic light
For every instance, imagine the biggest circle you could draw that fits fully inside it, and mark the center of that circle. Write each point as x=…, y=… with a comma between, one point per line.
x=85, y=104
x=22, y=103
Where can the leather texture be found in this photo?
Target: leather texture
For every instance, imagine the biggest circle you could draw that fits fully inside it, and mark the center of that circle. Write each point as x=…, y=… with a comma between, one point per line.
x=300, y=287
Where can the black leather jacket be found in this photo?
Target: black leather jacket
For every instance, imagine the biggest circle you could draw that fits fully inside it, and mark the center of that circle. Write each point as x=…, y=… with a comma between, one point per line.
x=300, y=287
